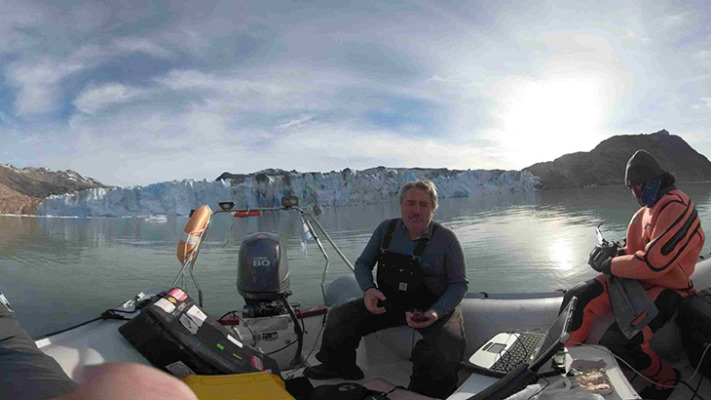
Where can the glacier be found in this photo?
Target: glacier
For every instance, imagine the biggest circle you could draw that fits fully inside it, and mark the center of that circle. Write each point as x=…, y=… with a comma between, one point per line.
x=266, y=188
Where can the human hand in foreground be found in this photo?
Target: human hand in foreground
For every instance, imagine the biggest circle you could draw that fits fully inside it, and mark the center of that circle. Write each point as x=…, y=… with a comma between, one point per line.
x=413, y=318
x=601, y=258
x=371, y=297
x=128, y=381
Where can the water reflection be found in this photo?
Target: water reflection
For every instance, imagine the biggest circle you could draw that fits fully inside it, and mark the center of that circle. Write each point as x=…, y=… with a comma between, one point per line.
x=562, y=254
x=58, y=272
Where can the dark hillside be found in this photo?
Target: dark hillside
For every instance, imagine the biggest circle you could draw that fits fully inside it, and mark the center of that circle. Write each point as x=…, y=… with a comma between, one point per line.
x=605, y=164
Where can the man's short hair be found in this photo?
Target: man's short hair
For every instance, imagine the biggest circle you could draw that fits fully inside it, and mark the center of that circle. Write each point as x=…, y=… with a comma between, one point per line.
x=422, y=184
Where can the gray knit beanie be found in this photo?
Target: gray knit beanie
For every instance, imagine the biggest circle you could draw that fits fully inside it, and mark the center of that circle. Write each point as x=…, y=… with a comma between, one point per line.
x=642, y=167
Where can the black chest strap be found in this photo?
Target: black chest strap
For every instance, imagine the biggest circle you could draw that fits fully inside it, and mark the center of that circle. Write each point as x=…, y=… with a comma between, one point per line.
x=421, y=244
x=388, y=235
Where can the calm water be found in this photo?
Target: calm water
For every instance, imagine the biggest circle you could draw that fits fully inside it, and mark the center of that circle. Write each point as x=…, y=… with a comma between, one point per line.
x=58, y=272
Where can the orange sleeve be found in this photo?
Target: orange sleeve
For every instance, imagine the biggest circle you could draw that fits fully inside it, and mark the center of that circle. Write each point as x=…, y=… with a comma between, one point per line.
x=670, y=235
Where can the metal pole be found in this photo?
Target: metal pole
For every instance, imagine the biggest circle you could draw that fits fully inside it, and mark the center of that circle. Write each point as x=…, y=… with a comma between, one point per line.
x=328, y=238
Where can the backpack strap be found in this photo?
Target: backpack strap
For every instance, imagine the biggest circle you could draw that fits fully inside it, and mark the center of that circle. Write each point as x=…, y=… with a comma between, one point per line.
x=388, y=235
x=422, y=244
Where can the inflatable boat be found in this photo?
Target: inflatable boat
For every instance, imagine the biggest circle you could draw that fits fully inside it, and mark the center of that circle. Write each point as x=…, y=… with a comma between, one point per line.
x=271, y=334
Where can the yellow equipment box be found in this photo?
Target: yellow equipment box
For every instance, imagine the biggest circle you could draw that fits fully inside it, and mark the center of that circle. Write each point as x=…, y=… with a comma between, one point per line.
x=249, y=386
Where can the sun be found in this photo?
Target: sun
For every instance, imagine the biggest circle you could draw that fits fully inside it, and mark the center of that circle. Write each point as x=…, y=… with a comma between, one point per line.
x=543, y=119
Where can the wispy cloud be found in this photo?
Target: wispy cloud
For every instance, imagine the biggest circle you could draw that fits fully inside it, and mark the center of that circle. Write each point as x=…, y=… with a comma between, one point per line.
x=300, y=121
x=93, y=99
x=135, y=45
x=37, y=84
x=704, y=103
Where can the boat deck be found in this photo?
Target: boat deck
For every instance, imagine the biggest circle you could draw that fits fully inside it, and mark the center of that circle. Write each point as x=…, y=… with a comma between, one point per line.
x=380, y=362
x=386, y=354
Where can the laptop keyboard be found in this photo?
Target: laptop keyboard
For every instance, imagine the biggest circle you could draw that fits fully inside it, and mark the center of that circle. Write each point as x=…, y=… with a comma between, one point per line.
x=518, y=353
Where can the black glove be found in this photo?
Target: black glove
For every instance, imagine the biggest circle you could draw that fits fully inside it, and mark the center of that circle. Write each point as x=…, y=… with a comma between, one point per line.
x=601, y=258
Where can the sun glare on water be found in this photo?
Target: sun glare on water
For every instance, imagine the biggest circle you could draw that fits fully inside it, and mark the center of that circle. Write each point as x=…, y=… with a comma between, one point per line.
x=544, y=119
x=561, y=254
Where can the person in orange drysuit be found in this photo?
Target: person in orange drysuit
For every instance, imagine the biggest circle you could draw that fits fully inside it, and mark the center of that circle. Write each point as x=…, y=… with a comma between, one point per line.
x=664, y=240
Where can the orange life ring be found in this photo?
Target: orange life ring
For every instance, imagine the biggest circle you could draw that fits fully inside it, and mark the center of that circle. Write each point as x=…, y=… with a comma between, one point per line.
x=194, y=230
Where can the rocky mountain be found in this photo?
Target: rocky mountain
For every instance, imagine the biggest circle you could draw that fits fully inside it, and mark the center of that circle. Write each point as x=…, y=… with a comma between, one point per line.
x=22, y=190
x=605, y=164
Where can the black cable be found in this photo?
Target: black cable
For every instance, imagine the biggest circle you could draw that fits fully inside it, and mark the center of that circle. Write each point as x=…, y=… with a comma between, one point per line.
x=698, y=386
x=281, y=348
x=696, y=393
x=303, y=326
x=548, y=383
x=111, y=310
x=510, y=359
x=318, y=335
x=226, y=314
x=108, y=314
x=299, y=333
x=7, y=338
x=235, y=314
x=507, y=357
x=698, y=366
x=393, y=389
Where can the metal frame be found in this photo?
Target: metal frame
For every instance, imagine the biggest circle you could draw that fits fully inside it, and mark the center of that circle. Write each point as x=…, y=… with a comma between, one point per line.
x=307, y=219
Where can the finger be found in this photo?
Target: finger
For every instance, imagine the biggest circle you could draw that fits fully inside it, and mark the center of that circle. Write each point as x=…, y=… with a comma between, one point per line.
x=378, y=310
x=418, y=325
x=372, y=306
x=369, y=304
x=373, y=309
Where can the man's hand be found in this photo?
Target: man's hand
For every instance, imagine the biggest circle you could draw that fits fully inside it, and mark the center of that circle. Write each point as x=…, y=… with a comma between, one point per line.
x=601, y=258
x=412, y=319
x=371, y=297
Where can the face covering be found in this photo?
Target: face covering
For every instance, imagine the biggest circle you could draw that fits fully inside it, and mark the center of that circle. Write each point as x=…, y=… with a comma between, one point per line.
x=650, y=193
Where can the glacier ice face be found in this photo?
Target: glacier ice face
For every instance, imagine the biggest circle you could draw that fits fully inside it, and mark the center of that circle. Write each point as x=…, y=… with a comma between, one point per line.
x=266, y=188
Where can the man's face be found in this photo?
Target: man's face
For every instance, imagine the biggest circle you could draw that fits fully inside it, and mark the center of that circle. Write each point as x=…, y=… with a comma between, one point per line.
x=416, y=210
x=636, y=189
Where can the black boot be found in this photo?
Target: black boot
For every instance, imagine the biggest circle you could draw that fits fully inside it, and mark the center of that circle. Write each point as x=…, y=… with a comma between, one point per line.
x=326, y=371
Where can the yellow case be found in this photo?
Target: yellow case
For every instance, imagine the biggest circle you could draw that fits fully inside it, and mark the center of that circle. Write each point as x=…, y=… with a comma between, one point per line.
x=249, y=386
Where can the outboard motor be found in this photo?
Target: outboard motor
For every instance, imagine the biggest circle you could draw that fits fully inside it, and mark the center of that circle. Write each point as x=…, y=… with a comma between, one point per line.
x=263, y=281
x=263, y=275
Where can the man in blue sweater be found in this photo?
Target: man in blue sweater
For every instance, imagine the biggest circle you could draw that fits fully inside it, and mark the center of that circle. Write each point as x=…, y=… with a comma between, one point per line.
x=421, y=279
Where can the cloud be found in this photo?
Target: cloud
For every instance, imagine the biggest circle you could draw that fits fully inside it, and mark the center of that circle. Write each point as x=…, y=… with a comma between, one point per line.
x=135, y=45
x=703, y=56
x=321, y=147
x=300, y=121
x=37, y=85
x=39, y=80
x=326, y=85
x=704, y=103
x=94, y=99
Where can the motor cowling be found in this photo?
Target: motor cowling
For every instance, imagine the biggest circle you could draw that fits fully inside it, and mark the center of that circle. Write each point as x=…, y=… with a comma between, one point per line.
x=263, y=272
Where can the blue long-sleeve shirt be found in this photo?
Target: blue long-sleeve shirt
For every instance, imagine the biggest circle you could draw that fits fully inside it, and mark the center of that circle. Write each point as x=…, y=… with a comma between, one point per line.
x=442, y=262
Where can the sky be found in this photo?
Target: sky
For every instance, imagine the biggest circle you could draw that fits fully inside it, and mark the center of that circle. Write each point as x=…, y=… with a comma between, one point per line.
x=139, y=92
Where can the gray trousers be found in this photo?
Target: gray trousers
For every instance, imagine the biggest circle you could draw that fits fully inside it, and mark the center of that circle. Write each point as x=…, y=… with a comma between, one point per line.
x=435, y=357
x=25, y=371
